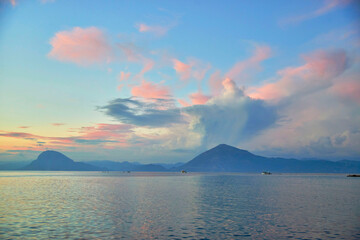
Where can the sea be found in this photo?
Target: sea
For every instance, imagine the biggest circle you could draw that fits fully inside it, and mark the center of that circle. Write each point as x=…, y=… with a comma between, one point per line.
x=135, y=205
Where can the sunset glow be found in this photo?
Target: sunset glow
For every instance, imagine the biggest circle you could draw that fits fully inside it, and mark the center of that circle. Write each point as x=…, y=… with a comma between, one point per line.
x=171, y=79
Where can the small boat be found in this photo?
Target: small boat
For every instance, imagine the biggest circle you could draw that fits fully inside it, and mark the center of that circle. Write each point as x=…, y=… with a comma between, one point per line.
x=266, y=173
x=183, y=171
x=353, y=175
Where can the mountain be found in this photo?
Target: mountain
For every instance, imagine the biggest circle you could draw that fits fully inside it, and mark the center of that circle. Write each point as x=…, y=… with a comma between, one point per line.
x=55, y=161
x=225, y=158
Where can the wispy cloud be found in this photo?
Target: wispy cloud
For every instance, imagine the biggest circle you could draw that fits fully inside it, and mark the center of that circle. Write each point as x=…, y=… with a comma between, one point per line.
x=151, y=91
x=155, y=29
x=328, y=5
x=47, y=1
x=184, y=70
x=123, y=76
x=240, y=70
x=158, y=30
x=317, y=73
x=133, y=53
x=193, y=69
x=58, y=124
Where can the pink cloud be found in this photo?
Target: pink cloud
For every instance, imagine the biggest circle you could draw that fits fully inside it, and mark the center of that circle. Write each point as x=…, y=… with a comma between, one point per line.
x=34, y=138
x=23, y=127
x=17, y=134
x=184, y=103
x=155, y=29
x=348, y=90
x=134, y=54
x=229, y=85
x=199, y=69
x=13, y=2
x=151, y=90
x=194, y=69
x=328, y=6
x=119, y=87
x=104, y=131
x=240, y=69
x=148, y=65
x=184, y=70
x=82, y=46
x=215, y=83
x=57, y=124
x=198, y=98
x=318, y=72
x=124, y=76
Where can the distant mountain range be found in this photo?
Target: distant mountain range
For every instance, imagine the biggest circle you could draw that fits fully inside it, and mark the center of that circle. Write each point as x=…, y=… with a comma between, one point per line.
x=222, y=158
x=128, y=166
x=56, y=161
x=134, y=166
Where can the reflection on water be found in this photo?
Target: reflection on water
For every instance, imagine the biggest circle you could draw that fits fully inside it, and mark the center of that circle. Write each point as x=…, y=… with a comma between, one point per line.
x=73, y=205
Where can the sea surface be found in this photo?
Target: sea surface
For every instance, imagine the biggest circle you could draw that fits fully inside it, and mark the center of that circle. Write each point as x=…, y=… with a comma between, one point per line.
x=117, y=205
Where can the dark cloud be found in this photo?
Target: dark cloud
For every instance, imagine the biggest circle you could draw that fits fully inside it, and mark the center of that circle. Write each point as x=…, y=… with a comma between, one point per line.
x=18, y=135
x=159, y=112
x=40, y=144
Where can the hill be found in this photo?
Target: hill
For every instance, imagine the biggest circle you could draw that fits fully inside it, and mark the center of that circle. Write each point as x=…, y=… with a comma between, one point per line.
x=56, y=161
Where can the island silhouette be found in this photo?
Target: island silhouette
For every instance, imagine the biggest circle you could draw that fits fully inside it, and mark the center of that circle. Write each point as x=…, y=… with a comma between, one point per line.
x=222, y=158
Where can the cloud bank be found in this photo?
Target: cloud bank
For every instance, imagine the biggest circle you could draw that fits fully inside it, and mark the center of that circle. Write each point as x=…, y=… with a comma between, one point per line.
x=231, y=117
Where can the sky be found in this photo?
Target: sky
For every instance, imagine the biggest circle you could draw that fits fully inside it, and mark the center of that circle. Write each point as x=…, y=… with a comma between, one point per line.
x=162, y=81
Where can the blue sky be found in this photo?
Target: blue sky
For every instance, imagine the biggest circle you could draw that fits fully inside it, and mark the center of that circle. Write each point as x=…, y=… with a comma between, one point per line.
x=154, y=81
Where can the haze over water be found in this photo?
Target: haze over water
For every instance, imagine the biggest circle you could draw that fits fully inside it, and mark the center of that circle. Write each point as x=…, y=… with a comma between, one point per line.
x=115, y=205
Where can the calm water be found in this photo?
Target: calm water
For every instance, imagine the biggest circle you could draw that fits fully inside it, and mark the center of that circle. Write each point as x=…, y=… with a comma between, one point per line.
x=75, y=205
